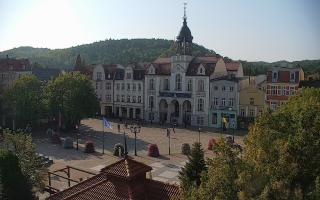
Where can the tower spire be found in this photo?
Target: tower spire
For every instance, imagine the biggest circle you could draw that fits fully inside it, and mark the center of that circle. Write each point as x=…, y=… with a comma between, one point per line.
x=184, y=9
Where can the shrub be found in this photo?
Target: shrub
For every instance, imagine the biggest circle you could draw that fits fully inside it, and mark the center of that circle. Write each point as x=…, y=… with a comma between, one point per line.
x=185, y=149
x=153, y=150
x=211, y=143
x=116, y=149
x=89, y=147
x=55, y=139
x=68, y=143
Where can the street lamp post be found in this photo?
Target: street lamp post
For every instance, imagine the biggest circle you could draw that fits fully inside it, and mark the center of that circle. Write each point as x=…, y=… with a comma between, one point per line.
x=199, y=130
x=168, y=135
x=135, y=129
x=77, y=132
x=125, y=143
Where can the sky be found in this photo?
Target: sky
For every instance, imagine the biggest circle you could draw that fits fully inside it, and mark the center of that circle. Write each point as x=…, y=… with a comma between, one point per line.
x=253, y=30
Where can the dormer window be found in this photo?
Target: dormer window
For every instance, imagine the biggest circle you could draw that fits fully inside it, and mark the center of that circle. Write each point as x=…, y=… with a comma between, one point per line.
x=292, y=77
x=99, y=75
x=128, y=75
x=274, y=76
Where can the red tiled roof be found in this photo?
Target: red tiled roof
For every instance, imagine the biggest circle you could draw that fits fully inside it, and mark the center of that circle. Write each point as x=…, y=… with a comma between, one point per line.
x=79, y=187
x=126, y=168
x=158, y=190
x=100, y=187
x=232, y=66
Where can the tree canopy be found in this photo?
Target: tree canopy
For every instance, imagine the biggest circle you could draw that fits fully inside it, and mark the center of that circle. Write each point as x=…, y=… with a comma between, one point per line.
x=281, y=158
x=14, y=185
x=73, y=96
x=24, y=99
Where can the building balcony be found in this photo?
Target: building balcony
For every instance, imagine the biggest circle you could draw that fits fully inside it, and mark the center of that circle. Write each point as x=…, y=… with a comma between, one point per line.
x=174, y=95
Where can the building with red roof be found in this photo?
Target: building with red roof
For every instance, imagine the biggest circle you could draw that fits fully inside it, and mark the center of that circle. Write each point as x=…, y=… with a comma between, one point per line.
x=123, y=180
x=282, y=82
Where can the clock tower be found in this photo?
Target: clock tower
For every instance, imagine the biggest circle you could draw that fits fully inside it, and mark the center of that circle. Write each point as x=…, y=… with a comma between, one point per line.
x=184, y=39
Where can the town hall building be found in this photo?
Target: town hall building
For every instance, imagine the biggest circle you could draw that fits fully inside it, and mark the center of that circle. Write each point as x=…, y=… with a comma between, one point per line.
x=177, y=89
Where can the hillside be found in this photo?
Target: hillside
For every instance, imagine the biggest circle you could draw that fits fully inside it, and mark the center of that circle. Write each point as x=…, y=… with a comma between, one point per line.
x=126, y=51
x=122, y=51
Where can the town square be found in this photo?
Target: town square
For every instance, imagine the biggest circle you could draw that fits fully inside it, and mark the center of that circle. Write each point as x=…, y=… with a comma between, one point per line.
x=148, y=100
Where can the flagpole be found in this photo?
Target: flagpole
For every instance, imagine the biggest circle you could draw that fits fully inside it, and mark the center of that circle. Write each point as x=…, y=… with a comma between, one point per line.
x=102, y=136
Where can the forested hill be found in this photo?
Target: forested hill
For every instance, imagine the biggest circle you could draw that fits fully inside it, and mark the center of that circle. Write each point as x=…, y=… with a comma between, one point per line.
x=126, y=51
x=122, y=51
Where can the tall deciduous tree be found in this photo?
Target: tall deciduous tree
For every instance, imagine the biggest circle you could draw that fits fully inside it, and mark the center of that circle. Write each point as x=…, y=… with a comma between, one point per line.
x=190, y=175
x=15, y=185
x=73, y=96
x=24, y=100
x=220, y=180
x=31, y=165
x=282, y=151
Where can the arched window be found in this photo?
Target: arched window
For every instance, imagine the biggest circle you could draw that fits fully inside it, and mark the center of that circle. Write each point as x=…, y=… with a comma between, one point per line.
x=151, y=84
x=178, y=82
x=200, y=85
x=200, y=105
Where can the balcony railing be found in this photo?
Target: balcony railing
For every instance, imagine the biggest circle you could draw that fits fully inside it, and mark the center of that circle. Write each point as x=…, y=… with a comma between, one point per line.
x=174, y=95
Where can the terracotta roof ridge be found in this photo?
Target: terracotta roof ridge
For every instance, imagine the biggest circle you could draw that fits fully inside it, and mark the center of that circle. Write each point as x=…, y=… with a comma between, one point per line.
x=109, y=166
x=85, y=189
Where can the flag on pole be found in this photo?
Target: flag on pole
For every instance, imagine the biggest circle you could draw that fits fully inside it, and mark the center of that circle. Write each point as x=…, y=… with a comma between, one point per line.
x=106, y=123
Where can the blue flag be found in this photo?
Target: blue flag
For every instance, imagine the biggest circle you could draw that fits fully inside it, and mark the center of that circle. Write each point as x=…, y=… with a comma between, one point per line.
x=106, y=123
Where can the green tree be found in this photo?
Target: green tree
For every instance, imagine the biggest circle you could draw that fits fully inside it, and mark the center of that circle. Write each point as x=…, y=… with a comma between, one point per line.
x=31, y=165
x=73, y=96
x=24, y=100
x=190, y=175
x=282, y=151
x=220, y=180
x=15, y=185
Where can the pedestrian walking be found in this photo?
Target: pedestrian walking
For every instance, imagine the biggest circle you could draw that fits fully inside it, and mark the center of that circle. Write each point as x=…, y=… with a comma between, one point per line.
x=119, y=128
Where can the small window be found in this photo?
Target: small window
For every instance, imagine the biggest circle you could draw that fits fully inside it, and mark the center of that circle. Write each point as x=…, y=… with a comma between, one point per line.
x=216, y=88
x=251, y=112
x=200, y=105
x=128, y=98
x=134, y=99
x=214, y=118
x=128, y=75
x=134, y=87
x=151, y=102
x=223, y=102
x=151, y=84
x=223, y=88
x=200, y=85
x=99, y=75
x=139, y=87
x=251, y=101
x=108, y=86
x=122, y=86
x=242, y=112
x=139, y=99
x=216, y=101
x=122, y=98
x=118, y=86
x=231, y=88
x=118, y=98
x=128, y=86
x=189, y=85
x=178, y=82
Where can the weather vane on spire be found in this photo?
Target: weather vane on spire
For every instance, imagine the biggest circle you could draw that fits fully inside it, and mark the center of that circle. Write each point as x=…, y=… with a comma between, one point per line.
x=184, y=7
